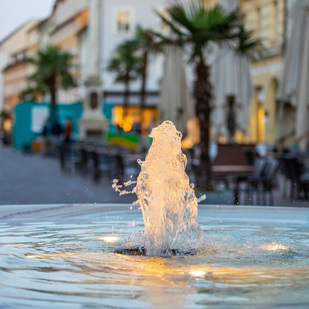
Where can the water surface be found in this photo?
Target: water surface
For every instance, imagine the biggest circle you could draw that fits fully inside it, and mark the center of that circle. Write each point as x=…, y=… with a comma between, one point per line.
x=57, y=256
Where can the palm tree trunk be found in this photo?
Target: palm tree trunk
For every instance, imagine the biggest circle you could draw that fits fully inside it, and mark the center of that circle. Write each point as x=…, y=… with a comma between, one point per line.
x=202, y=94
x=126, y=95
x=143, y=90
x=53, y=100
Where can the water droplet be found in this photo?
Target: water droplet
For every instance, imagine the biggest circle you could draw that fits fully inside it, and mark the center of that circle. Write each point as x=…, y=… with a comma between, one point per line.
x=201, y=198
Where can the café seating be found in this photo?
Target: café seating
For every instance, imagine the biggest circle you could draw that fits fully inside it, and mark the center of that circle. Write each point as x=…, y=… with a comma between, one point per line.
x=296, y=173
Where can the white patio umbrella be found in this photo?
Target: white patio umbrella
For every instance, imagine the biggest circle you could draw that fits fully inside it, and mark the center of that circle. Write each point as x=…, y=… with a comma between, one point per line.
x=175, y=103
x=293, y=92
x=230, y=77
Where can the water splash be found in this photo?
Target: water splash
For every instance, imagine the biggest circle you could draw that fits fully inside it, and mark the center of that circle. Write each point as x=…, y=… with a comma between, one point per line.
x=166, y=198
x=165, y=195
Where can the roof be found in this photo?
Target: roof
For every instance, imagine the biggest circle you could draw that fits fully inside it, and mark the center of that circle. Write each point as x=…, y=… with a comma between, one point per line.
x=42, y=23
x=16, y=30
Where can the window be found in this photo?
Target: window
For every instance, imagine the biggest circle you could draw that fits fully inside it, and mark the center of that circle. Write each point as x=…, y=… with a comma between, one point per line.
x=276, y=17
x=123, y=20
x=259, y=22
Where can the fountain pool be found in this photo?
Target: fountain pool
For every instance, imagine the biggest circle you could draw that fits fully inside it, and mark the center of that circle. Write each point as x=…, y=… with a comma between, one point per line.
x=61, y=256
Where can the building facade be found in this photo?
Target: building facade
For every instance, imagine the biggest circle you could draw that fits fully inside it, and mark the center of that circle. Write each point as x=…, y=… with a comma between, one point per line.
x=13, y=67
x=63, y=28
x=68, y=27
x=119, y=19
x=270, y=21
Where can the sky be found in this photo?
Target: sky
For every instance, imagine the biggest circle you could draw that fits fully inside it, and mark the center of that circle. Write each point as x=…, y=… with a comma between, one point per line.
x=13, y=13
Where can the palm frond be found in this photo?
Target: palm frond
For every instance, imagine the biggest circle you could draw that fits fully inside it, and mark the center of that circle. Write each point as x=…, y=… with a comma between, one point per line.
x=197, y=27
x=125, y=62
x=248, y=45
x=171, y=25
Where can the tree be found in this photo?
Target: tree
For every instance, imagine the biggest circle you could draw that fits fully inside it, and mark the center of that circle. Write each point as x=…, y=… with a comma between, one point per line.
x=196, y=28
x=52, y=70
x=31, y=94
x=147, y=46
x=125, y=63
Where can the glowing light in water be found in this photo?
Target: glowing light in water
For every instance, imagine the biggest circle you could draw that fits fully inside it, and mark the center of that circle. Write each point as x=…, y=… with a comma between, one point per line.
x=275, y=247
x=198, y=273
x=109, y=239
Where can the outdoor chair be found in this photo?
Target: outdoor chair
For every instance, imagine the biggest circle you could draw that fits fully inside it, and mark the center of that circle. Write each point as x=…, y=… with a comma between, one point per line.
x=251, y=183
x=259, y=186
x=296, y=174
x=81, y=166
x=269, y=180
x=70, y=157
x=107, y=162
x=89, y=159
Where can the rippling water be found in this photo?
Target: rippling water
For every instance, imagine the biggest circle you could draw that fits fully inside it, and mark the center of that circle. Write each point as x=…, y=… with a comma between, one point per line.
x=55, y=257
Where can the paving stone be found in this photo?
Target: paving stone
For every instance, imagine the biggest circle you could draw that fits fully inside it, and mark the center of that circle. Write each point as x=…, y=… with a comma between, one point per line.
x=33, y=179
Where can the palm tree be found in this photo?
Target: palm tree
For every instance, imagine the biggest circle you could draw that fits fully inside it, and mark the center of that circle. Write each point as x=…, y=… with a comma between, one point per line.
x=147, y=46
x=197, y=29
x=126, y=65
x=31, y=94
x=52, y=70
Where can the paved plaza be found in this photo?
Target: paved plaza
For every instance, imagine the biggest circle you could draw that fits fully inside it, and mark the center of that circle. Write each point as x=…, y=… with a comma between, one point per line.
x=34, y=179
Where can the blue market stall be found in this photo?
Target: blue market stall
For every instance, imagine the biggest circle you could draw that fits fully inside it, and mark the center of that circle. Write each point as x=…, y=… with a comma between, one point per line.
x=31, y=116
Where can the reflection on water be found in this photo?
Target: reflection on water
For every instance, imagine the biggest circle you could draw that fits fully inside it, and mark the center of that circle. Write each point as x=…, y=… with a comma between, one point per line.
x=68, y=262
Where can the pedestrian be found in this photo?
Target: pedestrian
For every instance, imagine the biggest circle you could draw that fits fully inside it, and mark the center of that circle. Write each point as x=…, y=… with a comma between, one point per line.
x=68, y=129
x=46, y=136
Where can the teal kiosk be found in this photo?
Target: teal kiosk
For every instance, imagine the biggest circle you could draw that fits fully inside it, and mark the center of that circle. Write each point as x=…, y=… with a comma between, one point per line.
x=31, y=116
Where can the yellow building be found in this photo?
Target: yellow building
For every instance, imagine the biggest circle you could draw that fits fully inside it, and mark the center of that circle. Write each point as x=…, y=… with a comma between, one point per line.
x=14, y=67
x=64, y=28
x=268, y=21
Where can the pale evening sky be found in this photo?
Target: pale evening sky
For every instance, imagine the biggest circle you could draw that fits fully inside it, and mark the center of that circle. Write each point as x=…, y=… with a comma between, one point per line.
x=13, y=13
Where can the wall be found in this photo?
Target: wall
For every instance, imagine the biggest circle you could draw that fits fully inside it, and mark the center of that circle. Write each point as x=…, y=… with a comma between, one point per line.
x=63, y=29
x=267, y=20
x=143, y=13
x=15, y=78
x=3, y=60
x=15, y=43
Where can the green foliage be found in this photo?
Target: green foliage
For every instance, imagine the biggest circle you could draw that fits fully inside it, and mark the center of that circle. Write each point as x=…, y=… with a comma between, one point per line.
x=146, y=45
x=4, y=115
x=125, y=63
x=31, y=94
x=52, y=69
x=247, y=44
x=145, y=41
x=196, y=28
x=52, y=62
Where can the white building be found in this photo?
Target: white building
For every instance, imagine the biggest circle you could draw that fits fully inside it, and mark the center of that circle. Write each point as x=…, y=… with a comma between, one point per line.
x=119, y=19
x=117, y=22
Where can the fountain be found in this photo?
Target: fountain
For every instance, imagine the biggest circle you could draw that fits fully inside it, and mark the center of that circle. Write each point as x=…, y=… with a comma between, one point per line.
x=69, y=255
x=165, y=196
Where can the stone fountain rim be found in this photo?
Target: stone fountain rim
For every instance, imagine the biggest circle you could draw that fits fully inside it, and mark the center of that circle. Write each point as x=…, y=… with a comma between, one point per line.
x=21, y=211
